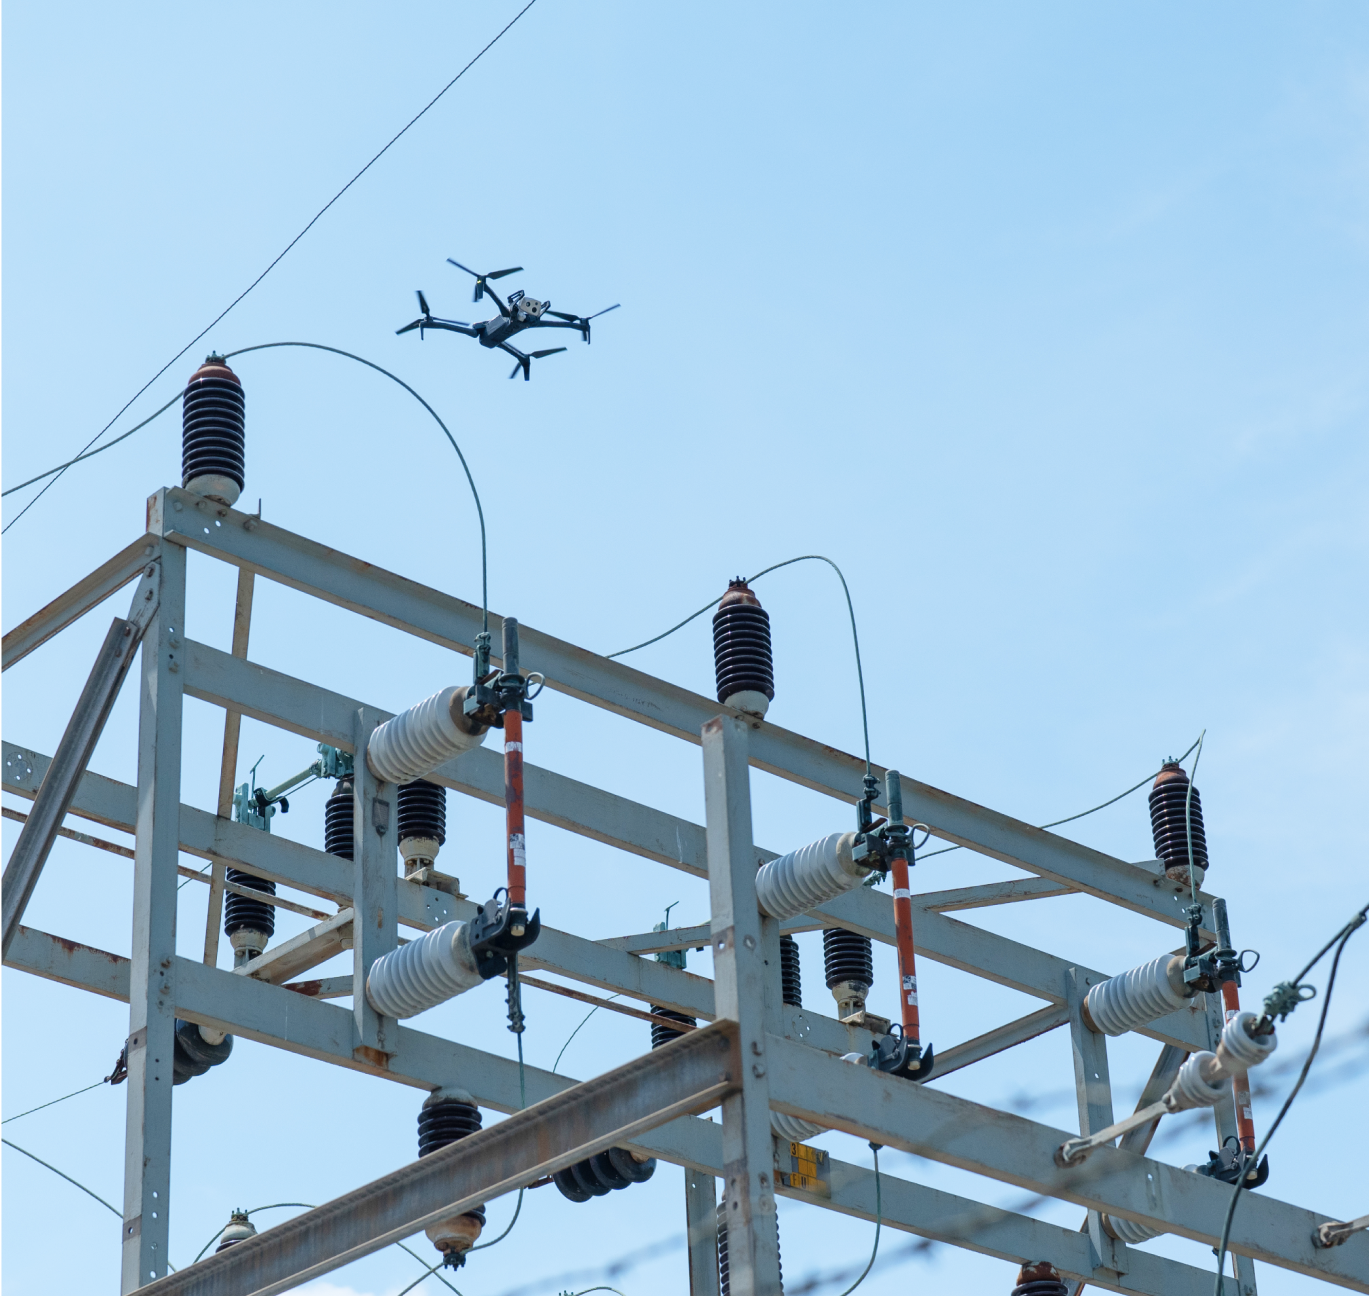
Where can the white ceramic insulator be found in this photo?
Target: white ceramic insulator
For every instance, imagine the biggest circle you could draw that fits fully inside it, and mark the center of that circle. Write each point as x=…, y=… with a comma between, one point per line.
x=1134, y=998
x=809, y=876
x=424, y=973
x=1200, y=1083
x=1129, y=1231
x=412, y=745
x=792, y=1128
x=1239, y=1050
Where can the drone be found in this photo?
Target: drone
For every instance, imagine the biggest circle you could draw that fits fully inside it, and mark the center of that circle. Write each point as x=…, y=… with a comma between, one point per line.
x=519, y=313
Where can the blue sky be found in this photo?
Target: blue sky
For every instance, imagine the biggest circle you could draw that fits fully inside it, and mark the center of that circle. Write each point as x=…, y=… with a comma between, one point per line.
x=1047, y=323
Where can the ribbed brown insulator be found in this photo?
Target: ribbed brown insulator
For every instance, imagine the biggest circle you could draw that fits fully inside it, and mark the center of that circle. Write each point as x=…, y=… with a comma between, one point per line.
x=742, y=658
x=1039, y=1278
x=213, y=437
x=1169, y=823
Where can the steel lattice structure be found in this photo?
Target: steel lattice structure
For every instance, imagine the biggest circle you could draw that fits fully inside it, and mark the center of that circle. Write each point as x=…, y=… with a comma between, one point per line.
x=757, y=1055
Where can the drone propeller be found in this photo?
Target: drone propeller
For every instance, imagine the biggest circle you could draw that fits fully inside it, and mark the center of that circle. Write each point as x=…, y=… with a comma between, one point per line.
x=584, y=320
x=482, y=279
x=423, y=305
x=526, y=363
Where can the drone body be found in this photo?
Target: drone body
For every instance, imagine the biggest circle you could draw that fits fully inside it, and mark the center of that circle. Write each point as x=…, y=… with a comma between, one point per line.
x=520, y=312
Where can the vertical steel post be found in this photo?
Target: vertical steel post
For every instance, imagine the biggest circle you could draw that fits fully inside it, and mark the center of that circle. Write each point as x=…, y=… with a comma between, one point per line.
x=739, y=978
x=375, y=889
x=701, y=1212
x=151, y=999
x=1093, y=1088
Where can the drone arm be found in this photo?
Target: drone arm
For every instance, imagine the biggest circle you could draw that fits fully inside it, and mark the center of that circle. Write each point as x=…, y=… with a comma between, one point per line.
x=543, y=323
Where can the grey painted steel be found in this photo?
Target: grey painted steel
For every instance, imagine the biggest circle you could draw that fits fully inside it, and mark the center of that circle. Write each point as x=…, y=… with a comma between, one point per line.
x=701, y=1222
x=1000, y=1038
x=690, y=1074
x=942, y=939
x=740, y=977
x=316, y=713
x=375, y=886
x=315, y=945
x=391, y=599
x=1093, y=1091
x=74, y=751
x=263, y=1013
x=1000, y=1145
x=87, y=593
x=232, y=720
x=152, y=970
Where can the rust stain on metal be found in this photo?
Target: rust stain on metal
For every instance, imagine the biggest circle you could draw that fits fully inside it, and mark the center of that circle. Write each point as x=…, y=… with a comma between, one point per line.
x=309, y=988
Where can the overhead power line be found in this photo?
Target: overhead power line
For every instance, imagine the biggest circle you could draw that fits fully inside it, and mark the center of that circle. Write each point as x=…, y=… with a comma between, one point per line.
x=275, y=262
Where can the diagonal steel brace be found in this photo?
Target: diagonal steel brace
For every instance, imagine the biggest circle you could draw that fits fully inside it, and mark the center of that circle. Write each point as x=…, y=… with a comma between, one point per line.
x=74, y=751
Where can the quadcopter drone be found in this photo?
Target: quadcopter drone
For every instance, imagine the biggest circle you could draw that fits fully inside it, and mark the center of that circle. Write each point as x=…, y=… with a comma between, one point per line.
x=521, y=312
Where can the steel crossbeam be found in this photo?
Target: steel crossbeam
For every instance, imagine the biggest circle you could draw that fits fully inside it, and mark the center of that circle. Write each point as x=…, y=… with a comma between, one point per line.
x=778, y=1057
x=948, y=1132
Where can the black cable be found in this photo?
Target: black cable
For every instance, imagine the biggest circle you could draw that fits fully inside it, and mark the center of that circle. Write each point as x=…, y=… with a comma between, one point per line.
x=879, y=1211
x=53, y=1103
x=850, y=608
x=318, y=215
x=1055, y=823
x=318, y=346
x=67, y=1177
x=1343, y=937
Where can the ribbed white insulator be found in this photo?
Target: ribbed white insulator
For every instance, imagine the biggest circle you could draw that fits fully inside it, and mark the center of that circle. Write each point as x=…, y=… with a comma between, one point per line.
x=424, y=973
x=1130, y=1231
x=809, y=876
x=412, y=745
x=1239, y=1050
x=1200, y=1083
x=1133, y=998
x=792, y=1128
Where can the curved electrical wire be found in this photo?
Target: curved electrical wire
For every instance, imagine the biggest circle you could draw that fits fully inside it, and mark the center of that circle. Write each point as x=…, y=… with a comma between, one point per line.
x=879, y=1210
x=1055, y=823
x=850, y=608
x=107, y=446
x=67, y=1177
x=1343, y=937
x=318, y=346
x=425, y=1276
x=317, y=217
x=576, y=1031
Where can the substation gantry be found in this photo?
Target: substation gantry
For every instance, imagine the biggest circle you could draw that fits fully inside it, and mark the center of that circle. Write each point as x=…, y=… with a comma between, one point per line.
x=778, y=1071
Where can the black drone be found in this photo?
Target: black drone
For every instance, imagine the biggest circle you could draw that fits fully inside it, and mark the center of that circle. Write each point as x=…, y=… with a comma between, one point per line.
x=521, y=312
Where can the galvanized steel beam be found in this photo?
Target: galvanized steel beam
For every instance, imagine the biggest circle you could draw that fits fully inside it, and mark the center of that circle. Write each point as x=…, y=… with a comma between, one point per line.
x=688, y=1075
x=325, y=573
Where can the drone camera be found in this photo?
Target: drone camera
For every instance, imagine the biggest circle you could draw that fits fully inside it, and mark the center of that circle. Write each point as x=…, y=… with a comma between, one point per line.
x=532, y=307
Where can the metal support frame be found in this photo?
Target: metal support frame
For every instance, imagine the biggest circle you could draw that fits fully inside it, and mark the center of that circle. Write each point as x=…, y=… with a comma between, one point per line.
x=152, y=972
x=740, y=976
x=785, y=1057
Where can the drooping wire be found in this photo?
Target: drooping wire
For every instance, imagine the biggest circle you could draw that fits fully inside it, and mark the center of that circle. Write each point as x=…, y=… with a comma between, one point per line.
x=576, y=1031
x=1340, y=940
x=317, y=216
x=522, y=1102
x=273, y=1206
x=425, y=1276
x=879, y=1210
x=53, y=1103
x=1055, y=823
x=850, y=608
x=67, y=1177
x=480, y=512
x=108, y=445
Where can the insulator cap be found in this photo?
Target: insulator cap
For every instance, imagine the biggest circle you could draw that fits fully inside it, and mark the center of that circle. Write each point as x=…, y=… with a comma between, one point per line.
x=847, y=956
x=1168, y=821
x=1039, y=1278
x=238, y=1229
x=242, y=914
x=422, y=811
x=212, y=432
x=742, y=659
x=663, y=1034
x=791, y=987
x=339, y=821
